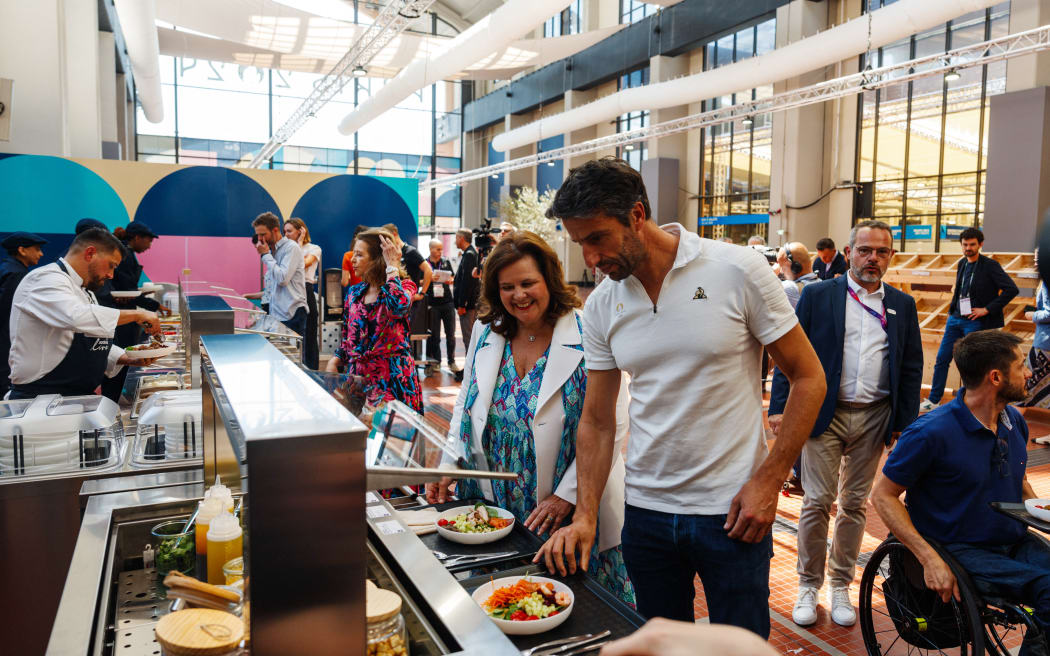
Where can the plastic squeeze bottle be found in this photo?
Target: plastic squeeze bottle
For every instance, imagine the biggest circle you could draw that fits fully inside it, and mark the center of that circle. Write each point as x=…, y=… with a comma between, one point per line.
x=225, y=542
x=208, y=510
x=221, y=492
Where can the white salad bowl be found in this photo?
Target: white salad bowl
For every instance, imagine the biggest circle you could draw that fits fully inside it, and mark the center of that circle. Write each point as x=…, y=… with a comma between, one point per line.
x=473, y=538
x=524, y=627
x=1038, y=513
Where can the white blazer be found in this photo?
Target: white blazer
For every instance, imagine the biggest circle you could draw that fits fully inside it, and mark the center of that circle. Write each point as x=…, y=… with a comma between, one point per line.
x=548, y=421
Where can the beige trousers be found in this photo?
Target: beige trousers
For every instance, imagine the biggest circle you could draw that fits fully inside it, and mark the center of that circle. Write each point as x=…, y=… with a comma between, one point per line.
x=840, y=463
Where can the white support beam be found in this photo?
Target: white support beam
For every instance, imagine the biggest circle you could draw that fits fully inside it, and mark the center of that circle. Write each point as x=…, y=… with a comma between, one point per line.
x=1007, y=47
x=391, y=21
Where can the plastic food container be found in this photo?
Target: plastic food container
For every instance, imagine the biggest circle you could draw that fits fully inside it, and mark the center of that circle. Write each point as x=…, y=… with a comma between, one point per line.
x=233, y=571
x=174, y=547
x=386, y=626
x=51, y=434
x=169, y=428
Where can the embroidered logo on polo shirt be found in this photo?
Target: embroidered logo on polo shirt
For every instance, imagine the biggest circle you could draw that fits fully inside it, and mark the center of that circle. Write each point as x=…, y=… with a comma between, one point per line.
x=619, y=308
x=699, y=293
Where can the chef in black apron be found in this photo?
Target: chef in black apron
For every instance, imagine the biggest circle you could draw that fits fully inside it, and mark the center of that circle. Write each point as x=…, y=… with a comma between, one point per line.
x=61, y=338
x=136, y=238
x=23, y=251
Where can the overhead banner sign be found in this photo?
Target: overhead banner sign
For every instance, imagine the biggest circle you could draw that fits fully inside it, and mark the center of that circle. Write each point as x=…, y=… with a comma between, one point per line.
x=921, y=232
x=734, y=219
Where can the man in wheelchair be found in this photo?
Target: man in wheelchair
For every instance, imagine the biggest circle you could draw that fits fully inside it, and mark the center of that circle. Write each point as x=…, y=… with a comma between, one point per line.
x=954, y=461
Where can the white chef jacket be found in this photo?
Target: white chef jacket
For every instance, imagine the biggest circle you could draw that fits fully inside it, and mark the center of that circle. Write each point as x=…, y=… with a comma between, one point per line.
x=865, y=348
x=48, y=308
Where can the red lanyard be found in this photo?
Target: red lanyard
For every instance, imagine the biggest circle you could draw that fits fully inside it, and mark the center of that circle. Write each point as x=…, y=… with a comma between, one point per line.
x=880, y=317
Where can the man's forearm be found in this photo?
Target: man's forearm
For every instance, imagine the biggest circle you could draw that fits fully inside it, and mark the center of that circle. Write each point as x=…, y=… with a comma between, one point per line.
x=129, y=316
x=1026, y=490
x=800, y=413
x=594, y=454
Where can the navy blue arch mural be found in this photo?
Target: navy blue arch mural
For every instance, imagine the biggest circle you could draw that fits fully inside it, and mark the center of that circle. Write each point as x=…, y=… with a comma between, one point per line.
x=205, y=201
x=333, y=207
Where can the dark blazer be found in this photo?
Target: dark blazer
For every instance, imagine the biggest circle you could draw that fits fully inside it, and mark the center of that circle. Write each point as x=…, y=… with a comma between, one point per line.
x=465, y=287
x=11, y=273
x=828, y=271
x=822, y=314
x=991, y=289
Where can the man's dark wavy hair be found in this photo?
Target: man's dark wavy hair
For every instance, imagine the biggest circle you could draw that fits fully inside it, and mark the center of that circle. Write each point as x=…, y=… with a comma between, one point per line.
x=601, y=186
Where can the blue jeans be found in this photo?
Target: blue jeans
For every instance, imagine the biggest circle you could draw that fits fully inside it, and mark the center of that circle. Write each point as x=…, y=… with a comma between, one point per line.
x=955, y=329
x=297, y=322
x=665, y=552
x=1018, y=572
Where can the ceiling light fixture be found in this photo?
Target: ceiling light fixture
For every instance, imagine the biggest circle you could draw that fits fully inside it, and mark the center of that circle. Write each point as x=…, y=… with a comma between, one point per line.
x=359, y=71
x=550, y=163
x=952, y=75
x=629, y=147
x=747, y=122
x=495, y=176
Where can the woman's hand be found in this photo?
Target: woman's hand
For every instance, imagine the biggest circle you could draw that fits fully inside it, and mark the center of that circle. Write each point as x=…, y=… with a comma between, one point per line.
x=391, y=253
x=548, y=515
x=333, y=365
x=441, y=491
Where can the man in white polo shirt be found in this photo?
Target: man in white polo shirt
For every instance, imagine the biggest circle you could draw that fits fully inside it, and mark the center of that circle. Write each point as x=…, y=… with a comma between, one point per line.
x=687, y=319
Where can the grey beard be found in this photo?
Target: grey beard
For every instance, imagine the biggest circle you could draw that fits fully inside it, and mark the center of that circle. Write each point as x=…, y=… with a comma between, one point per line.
x=866, y=277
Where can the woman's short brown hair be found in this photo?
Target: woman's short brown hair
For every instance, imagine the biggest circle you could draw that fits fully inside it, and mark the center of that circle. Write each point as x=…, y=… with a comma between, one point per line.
x=375, y=274
x=510, y=249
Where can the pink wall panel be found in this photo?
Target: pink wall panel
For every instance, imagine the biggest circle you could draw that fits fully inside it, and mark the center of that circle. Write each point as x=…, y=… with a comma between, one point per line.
x=227, y=261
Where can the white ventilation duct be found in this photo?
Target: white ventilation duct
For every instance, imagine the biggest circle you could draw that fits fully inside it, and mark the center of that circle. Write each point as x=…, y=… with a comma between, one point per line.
x=892, y=23
x=138, y=22
x=493, y=32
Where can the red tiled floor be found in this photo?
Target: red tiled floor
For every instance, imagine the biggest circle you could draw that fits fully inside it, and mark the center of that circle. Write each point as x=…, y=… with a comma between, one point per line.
x=823, y=638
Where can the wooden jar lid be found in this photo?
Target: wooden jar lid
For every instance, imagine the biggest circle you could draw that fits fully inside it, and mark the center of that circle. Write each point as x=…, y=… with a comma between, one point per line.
x=381, y=605
x=200, y=632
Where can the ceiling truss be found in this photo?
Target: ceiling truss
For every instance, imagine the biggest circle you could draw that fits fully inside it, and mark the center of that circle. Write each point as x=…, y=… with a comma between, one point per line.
x=394, y=18
x=1007, y=47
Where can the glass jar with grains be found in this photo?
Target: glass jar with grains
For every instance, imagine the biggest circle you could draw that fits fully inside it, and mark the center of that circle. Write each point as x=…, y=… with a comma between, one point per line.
x=386, y=626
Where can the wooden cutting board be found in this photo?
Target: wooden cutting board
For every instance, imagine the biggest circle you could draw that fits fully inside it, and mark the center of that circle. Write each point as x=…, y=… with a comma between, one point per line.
x=200, y=632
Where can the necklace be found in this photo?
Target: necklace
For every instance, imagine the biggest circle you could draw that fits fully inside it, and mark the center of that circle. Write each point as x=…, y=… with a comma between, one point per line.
x=532, y=338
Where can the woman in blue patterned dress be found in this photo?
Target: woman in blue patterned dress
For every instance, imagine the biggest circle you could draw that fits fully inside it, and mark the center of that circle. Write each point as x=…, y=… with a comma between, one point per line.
x=522, y=397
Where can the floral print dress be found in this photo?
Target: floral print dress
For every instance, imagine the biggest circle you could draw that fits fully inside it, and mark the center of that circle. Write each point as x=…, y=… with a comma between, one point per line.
x=509, y=445
x=375, y=343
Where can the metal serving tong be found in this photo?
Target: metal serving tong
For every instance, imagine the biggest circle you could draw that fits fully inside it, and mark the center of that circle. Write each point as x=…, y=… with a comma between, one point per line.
x=448, y=560
x=573, y=645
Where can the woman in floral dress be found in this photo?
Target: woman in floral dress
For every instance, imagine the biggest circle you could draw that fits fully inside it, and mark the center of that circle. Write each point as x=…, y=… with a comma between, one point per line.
x=522, y=397
x=375, y=341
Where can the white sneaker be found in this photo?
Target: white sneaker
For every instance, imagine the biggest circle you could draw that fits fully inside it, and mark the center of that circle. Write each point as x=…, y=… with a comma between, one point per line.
x=842, y=612
x=805, y=611
x=927, y=405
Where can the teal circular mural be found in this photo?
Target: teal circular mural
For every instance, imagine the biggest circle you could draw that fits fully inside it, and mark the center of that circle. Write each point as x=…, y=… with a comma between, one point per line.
x=45, y=194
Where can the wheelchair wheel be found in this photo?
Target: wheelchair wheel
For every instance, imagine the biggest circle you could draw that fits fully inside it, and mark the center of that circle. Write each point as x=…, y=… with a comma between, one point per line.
x=899, y=615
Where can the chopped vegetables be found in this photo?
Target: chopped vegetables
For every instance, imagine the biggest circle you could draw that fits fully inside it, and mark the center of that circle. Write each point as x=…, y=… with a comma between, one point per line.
x=480, y=520
x=525, y=601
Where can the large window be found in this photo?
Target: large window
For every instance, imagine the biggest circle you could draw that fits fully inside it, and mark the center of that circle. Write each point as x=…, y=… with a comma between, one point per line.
x=220, y=114
x=632, y=11
x=634, y=153
x=567, y=21
x=924, y=143
x=737, y=157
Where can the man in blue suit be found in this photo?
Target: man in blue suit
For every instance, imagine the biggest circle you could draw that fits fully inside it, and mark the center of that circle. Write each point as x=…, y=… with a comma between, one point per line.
x=866, y=335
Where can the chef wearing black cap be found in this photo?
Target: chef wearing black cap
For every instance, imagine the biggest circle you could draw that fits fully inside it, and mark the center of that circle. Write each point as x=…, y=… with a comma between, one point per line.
x=60, y=336
x=135, y=238
x=23, y=251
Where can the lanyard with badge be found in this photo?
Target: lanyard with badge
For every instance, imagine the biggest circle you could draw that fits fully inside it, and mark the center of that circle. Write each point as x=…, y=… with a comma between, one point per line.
x=880, y=317
x=965, y=305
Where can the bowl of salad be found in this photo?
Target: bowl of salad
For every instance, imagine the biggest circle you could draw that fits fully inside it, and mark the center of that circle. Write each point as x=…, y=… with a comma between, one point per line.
x=1038, y=508
x=477, y=524
x=525, y=605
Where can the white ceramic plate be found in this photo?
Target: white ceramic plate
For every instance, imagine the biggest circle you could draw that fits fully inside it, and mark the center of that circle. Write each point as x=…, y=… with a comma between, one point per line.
x=473, y=538
x=1038, y=513
x=150, y=288
x=147, y=354
x=527, y=627
x=126, y=294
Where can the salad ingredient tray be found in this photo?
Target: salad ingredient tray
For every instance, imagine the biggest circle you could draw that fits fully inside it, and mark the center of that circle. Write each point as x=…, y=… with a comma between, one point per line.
x=1018, y=512
x=520, y=541
x=594, y=610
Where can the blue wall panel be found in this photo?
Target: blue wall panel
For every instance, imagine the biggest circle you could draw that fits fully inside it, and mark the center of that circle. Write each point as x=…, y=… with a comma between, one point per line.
x=50, y=194
x=549, y=175
x=495, y=183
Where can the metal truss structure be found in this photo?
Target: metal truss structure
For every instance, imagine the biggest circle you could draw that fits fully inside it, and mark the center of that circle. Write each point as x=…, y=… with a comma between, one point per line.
x=1007, y=47
x=392, y=20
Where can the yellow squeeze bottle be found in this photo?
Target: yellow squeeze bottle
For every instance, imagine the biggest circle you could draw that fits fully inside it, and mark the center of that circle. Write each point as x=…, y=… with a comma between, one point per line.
x=209, y=509
x=225, y=542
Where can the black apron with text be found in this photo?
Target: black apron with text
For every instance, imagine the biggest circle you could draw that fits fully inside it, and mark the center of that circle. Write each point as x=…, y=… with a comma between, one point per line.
x=79, y=373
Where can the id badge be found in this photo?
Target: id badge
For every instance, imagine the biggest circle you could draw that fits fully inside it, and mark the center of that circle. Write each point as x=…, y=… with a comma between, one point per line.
x=439, y=291
x=965, y=307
